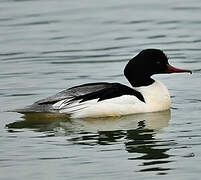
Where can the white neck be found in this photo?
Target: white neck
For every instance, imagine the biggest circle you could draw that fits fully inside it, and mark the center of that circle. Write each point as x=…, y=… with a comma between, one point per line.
x=156, y=95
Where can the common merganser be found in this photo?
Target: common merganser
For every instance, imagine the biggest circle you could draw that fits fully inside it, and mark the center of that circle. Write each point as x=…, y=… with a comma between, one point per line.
x=114, y=99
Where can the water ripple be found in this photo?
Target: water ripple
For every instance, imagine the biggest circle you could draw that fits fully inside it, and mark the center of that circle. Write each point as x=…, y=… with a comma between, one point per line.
x=49, y=45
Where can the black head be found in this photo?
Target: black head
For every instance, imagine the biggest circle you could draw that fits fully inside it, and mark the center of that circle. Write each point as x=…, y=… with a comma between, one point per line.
x=147, y=63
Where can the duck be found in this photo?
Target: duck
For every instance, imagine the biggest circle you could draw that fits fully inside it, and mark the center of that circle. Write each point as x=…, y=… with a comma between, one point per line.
x=106, y=99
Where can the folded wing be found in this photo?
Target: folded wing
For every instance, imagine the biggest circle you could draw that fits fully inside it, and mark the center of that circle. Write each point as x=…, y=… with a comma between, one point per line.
x=115, y=94
x=45, y=105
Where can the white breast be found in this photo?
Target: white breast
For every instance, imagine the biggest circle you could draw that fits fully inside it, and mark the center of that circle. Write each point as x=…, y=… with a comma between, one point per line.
x=156, y=98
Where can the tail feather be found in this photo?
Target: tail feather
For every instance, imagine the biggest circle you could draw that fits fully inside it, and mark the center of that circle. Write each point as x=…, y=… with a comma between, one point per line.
x=35, y=108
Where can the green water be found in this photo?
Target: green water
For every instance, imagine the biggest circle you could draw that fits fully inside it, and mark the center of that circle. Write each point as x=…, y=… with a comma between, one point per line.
x=48, y=46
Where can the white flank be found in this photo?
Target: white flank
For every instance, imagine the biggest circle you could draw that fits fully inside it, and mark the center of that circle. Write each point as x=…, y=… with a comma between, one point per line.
x=156, y=98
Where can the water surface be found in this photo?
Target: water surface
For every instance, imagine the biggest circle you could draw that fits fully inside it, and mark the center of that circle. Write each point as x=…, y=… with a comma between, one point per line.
x=48, y=46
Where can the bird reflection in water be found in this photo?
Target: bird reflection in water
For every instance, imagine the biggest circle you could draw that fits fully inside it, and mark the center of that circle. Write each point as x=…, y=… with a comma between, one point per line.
x=137, y=132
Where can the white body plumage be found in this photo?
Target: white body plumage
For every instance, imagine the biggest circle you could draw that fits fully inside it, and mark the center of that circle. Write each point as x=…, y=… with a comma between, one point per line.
x=156, y=98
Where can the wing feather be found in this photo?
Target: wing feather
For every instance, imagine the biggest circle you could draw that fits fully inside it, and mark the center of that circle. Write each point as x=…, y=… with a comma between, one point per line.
x=50, y=104
x=86, y=100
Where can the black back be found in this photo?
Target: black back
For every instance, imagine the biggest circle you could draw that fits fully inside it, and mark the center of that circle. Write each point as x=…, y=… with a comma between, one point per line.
x=115, y=90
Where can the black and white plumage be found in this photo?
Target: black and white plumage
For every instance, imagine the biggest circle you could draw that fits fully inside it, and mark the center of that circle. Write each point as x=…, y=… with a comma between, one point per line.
x=114, y=99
